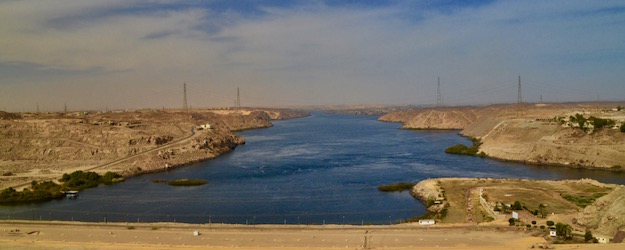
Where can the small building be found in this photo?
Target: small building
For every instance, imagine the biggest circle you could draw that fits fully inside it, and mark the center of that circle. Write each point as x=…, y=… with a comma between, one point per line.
x=515, y=215
x=602, y=239
x=196, y=233
x=552, y=233
x=426, y=222
x=203, y=126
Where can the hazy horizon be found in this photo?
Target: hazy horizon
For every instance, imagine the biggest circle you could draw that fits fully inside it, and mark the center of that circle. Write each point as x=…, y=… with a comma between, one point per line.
x=132, y=54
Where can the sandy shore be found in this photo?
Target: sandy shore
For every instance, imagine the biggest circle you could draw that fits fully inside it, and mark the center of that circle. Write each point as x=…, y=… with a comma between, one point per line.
x=79, y=235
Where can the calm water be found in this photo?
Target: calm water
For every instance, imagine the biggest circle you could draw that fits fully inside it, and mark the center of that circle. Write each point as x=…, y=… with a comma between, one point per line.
x=319, y=169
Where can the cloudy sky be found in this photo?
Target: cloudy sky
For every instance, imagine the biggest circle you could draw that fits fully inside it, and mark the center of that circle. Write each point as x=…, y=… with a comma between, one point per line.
x=93, y=54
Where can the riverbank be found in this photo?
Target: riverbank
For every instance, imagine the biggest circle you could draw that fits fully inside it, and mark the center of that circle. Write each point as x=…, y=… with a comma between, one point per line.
x=541, y=134
x=44, y=146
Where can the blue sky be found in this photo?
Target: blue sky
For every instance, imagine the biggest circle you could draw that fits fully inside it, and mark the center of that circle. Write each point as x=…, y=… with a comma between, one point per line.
x=94, y=54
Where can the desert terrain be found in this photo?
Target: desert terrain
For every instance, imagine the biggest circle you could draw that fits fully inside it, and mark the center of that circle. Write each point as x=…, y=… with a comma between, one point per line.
x=584, y=204
x=44, y=146
x=531, y=133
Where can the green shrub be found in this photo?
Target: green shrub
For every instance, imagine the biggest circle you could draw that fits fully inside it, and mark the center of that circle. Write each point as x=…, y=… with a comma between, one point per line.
x=550, y=223
x=511, y=221
x=187, y=182
x=460, y=149
x=517, y=206
x=599, y=123
x=48, y=190
x=564, y=230
x=456, y=149
x=583, y=201
x=623, y=127
x=396, y=187
x=588, y=235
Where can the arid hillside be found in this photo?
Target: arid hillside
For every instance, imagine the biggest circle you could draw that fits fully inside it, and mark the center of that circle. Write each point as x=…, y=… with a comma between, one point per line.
x=532, y=133
x=441, y=118
x=583, y=204
x=44, y=146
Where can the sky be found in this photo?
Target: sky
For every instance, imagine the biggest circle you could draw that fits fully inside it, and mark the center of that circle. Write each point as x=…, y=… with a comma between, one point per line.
x=128, y=54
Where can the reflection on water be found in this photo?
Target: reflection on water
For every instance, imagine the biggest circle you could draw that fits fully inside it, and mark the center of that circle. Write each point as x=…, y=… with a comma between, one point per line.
x=319, y=169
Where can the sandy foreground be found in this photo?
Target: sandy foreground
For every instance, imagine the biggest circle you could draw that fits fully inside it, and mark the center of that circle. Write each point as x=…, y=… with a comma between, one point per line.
x=78, y=235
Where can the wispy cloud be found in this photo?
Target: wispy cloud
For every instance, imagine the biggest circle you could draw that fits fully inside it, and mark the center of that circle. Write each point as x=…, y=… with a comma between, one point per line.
x=307, y=52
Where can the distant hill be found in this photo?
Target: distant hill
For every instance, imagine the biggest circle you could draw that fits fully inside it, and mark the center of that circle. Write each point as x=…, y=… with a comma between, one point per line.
x=9, y=116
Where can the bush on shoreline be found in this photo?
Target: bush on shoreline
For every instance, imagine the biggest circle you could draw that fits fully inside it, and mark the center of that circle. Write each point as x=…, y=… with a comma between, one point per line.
x=49, y=190
x=187, y=182
x=461, y=149
x=396, y=187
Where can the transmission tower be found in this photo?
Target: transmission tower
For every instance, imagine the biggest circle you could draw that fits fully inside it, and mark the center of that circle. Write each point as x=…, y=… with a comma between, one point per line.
x=519, y=99
x=439, y=98
x=238, y=98
x=37, y=107
x=185, y=107
x=541, y=98
x=65, y=108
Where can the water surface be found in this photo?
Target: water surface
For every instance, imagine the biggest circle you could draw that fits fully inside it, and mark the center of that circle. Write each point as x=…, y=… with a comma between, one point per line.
x=314, y=170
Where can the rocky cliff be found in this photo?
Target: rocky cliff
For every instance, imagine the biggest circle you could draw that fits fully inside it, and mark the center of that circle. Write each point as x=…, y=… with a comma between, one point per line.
x=606, y=215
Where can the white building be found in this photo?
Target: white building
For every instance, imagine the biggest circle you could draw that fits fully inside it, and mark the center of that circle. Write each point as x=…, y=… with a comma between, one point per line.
x=552, y=233
x=203, y=126
x=426, y=222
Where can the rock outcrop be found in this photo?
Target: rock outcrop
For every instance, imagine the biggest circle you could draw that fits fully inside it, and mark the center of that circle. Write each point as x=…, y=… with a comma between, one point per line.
x=606, y=215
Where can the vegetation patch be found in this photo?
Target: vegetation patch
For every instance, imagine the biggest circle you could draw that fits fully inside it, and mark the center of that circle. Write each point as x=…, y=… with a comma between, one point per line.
x=49, y=190
x=597, y=123
x=583, y=201
x=187, y=182
x=396, y=187
x=461, y=149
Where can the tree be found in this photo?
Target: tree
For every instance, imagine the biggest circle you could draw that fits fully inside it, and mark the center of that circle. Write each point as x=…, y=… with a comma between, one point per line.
x=623, y=127
x=588, y=235
x=511, y=221
x=564, y=230
x=542, y=210
x=550, y=223
x=517, y=206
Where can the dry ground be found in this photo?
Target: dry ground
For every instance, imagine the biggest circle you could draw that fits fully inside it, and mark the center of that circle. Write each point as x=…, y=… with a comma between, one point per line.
x=53, y=235
x=43, y=146
x=463, y=197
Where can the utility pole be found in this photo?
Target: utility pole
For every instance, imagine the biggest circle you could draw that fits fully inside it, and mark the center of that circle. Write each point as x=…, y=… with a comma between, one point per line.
x=37, y=107
x=541, y=98
x=238, y=99
x=185, y=107
x=439, y=98
x=65, y=108
x=519, y=99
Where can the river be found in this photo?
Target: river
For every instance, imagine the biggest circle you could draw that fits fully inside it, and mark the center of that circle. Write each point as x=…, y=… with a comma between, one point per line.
x=320, y=169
